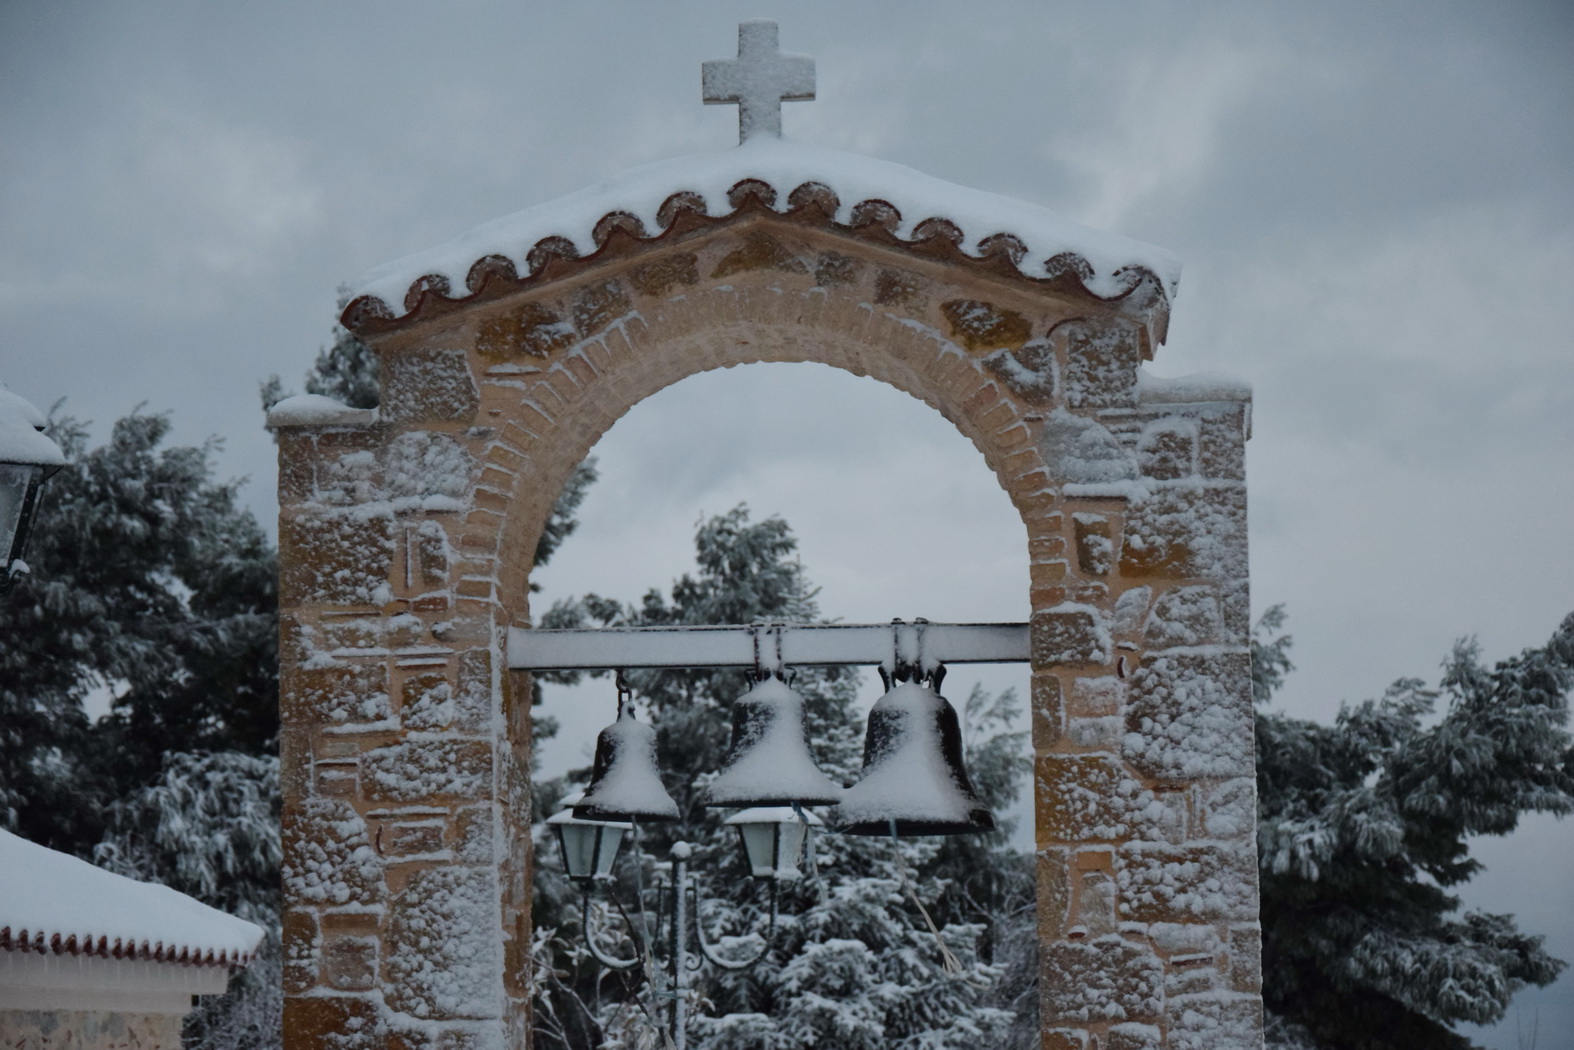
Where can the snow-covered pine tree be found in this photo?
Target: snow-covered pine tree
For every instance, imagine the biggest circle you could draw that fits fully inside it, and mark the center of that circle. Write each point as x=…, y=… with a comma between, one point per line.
x=1363, y=830
x=150, y=583
x=854, y=965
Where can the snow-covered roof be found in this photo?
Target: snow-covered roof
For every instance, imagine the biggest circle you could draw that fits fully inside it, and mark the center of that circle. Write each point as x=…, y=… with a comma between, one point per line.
x=861, y=190
x=316, y=410
x=52, y=902
x=21, y=437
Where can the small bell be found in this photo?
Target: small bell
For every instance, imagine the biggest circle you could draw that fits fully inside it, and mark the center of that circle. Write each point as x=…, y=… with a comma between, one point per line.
x=624, y=782
x=913, y=780
x=769, y=762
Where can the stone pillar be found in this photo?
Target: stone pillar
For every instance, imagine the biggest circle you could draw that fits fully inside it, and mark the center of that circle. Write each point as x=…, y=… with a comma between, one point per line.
x=1143, y=729
x=405, y=874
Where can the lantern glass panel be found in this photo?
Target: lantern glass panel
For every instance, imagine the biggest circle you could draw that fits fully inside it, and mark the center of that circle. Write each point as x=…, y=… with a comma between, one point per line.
x=611, y=839
x=14, y=479
x=589, y=846
x=578, y=839
x=773, y=839
x=759, y=845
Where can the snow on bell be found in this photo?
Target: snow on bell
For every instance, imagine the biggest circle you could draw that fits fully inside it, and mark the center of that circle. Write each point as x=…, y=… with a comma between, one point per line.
x=624, y=782
x=769, y=762
x=913, y=780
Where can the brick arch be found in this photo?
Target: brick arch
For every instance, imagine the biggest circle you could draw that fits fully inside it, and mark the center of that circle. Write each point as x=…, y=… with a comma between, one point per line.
x=406, y=540
x=916, y=365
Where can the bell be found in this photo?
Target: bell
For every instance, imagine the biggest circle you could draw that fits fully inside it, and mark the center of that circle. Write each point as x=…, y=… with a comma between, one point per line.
x=624, y=783
x=769, y=762
x=913, y=780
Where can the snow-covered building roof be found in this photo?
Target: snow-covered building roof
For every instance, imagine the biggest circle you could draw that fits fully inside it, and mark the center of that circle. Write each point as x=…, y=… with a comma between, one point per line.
x=54, y=903
x=851, y=192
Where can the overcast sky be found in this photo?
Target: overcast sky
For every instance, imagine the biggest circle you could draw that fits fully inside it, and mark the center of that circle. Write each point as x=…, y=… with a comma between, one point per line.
x=1373, y=202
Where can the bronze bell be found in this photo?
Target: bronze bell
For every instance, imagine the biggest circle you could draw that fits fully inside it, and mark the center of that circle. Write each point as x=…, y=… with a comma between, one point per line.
x=913, y=781
x=769, y=762
x=624, y=783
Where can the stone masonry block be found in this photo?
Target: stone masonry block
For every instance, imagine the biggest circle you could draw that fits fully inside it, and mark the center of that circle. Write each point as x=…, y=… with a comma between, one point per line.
x=331, y=1022
x=533, y=330
x=1229, y=809
x=473, y=702
x=1222, y=445
x=759, y=251
x=1064, y=1039
x=335, y=559
x=444, y=956
x=1133, y=1037
x=1190, y=715
x=1048, y=711
x=425, y=385
x=1053, y=876
x=1187, y=883
x=1089, y=798
x=344, y=693
x=302, y=948
x=429, y=471
x=1180, y=938
x=1246, y=958
x=1095, y=903
x=404, y=838
x=1102, y=356
x=661, y=275
x=1103, y=695
x=1129, y=609
x=1167, y=449
x=1029, y=371
x=979, y=325
x=1216, y=1021
x=1104, y=979
x=1069, y=635
x=1185, y=616
x=1095, y=544
x=474, y=835
x=419, y=770
x=349, y=961
x=1186, y=531
x=328, y=855
x=426, y=701
x=598, y=305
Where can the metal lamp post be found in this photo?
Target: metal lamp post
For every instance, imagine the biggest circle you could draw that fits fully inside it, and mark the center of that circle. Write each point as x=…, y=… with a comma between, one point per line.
x=774, y=841
x=27, y=459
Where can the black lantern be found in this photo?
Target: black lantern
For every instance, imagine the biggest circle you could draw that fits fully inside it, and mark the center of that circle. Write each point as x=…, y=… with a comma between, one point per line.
x=589, y=846
x=774, y=838
x=27, y=459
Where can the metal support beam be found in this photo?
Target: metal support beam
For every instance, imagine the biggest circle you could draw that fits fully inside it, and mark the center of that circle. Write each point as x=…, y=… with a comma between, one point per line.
x=767, y=646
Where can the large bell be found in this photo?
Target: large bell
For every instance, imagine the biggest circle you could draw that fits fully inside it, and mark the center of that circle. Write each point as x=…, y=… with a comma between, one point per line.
x=624, y=782
x=913, y=780
x=769, y=762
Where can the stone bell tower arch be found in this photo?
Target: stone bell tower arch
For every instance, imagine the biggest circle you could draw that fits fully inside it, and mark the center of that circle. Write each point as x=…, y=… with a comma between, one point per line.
x=407, y=535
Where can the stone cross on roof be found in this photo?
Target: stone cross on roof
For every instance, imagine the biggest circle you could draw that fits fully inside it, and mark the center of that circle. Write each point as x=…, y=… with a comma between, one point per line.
x=759, y=80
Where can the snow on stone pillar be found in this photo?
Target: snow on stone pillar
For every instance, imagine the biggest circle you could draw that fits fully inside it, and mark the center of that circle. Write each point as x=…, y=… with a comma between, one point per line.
x=395, y=772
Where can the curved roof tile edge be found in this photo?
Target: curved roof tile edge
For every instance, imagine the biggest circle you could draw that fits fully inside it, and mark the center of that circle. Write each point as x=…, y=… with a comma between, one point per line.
x=850, y=192
x=42, y=942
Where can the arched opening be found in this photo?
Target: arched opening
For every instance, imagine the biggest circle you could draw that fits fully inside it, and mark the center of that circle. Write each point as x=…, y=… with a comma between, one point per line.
x=894, y=514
